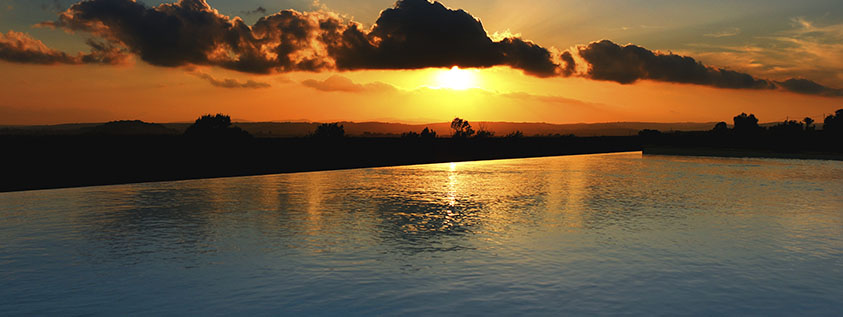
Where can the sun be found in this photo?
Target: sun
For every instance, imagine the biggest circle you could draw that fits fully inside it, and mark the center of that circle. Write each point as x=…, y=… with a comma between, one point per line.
x=455, y=78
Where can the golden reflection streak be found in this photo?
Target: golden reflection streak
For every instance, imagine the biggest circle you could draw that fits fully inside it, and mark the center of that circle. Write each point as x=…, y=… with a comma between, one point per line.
x=452, y=185
x=576, y=167
x=314, y=195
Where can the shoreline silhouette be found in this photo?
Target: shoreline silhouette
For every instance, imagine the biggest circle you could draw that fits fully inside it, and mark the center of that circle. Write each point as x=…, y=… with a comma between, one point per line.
x=123, y=152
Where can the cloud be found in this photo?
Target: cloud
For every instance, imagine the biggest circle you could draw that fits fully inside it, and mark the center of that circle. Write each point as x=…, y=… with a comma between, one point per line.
x=807, y=50
x=259, y=10
x=19, y=47
x=725, y=33
x=419, y=34
x=344, y=84
x=805, y=86
x=554, y=99
x=230, y=82
x=630, y=63
x=413, y=34
x=410, y=35
x=570, y=65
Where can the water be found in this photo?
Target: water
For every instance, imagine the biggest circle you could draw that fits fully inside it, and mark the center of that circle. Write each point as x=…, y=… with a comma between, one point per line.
x=578, y=235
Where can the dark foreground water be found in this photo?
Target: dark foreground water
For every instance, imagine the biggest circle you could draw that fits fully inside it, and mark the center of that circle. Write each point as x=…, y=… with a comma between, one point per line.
x=594, y=234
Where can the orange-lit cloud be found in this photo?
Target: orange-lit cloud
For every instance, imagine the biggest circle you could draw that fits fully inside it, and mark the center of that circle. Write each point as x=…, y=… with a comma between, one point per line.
x=343, y=84
x=230, y=82
x=413, y=34
x=21, y=48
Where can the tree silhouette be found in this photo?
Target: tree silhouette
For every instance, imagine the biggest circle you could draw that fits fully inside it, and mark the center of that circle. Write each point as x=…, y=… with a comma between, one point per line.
x=409, y=135
x=833, y=124
x=462, y=129
x=215, y=126
x=428, y=134
x=809, y=124
x=787, y=128
x=746, y=123
x=720, y=128
x=329, y=131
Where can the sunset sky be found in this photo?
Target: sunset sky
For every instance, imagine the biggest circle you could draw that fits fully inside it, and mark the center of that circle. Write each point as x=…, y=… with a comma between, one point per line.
x=550, y=61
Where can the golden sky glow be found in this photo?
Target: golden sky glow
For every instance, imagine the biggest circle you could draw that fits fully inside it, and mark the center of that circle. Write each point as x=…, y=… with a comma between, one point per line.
x=456, y=78
x=61, y=94
x=134, y=89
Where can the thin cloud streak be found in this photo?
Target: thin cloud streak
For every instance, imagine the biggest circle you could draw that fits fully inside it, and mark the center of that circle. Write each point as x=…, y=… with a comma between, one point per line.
x=338, y=83
x=21, y=48
x=230, y=82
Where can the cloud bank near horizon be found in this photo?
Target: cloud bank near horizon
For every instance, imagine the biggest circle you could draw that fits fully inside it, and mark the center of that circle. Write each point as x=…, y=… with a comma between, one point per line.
x=413, y=34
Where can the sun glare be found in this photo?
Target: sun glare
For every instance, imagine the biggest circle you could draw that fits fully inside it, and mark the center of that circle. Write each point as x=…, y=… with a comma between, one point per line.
x=455, y=78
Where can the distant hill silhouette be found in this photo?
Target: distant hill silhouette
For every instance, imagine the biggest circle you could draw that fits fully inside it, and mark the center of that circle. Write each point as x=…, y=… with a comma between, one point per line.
x=130, y=127
x=385, y=129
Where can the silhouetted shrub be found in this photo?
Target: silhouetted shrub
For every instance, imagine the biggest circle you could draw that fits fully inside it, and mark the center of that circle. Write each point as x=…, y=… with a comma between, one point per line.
x=809, y=124
x=409, y=135
x=720, y=128
x=515, y=134
x=649, y=133
x=329, y=131
x=482, y=134
x=427, y=134
x=215, y=126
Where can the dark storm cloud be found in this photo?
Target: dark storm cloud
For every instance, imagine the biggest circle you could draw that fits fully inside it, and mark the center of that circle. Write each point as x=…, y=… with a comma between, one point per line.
x=527, y=56
x=805, y=86
x=630, y=63
x=413, y=34
x=418, y=34
x=18, y=47
x=181, y=33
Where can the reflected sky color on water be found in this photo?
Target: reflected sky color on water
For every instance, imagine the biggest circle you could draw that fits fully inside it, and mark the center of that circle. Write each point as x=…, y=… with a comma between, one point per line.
x=615, y=233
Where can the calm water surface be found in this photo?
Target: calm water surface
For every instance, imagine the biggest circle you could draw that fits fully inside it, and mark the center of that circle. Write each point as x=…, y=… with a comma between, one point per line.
x=578, y=235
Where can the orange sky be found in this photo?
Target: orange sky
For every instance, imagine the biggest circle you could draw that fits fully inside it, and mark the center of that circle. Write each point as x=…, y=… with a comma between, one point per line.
x=135, y=89
x=62, y=94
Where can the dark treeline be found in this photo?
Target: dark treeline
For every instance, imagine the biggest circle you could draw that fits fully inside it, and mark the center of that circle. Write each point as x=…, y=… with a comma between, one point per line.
x=213, y=147
x=791, y=138
x=115, y=153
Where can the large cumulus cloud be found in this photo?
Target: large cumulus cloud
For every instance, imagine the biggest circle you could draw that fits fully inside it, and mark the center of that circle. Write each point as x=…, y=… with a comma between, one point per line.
x=805, y=86
x=412, y=34
x=419, y=34
x=629, y=63
x=191, y=32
